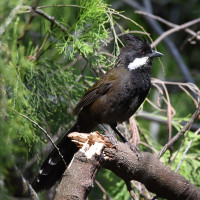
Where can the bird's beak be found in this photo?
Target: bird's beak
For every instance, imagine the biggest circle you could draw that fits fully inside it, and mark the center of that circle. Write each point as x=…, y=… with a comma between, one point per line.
x=155, y=54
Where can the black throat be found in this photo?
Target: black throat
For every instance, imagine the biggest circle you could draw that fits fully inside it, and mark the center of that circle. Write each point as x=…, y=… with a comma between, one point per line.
x=141, y=78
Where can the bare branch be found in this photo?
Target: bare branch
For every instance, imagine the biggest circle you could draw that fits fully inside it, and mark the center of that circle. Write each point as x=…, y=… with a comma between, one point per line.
x=180, y=133
x=156, y=177
x=175, y=29
x=191, y=32
x=50, y=6
x=156, y=107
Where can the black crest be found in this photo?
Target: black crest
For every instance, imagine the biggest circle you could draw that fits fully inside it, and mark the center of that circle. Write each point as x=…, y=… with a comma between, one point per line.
x=134, y=38
x=135, y=42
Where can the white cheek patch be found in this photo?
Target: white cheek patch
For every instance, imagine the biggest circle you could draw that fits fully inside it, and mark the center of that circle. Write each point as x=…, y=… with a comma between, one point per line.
x=138, y=62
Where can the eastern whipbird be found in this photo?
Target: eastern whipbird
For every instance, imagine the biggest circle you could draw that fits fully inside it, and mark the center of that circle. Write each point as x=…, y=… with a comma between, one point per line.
x=114, y=98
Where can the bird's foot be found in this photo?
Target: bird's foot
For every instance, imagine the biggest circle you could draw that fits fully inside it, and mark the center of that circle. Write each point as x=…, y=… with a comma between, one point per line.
x=112, y=139
x=135, y=149
x=110, y=136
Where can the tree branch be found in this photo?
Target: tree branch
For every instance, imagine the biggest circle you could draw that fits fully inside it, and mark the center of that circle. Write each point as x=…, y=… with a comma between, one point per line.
x=157, y=178
x=18, y=185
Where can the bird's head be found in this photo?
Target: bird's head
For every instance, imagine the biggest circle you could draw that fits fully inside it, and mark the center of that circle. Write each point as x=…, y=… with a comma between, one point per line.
x=137, y=53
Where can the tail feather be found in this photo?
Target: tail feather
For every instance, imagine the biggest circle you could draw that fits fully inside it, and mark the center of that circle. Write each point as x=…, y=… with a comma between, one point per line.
x=53, y=167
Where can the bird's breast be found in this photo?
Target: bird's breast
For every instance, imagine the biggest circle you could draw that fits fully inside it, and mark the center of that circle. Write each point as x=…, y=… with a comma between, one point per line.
x=122, y=100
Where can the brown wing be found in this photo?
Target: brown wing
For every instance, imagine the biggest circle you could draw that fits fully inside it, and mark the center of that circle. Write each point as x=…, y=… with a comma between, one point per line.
x=100, y=88
x=91, y=96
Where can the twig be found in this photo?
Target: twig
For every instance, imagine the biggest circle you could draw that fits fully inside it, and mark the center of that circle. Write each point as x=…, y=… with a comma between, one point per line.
x=185, y=90
x=179, y=149
x=36, y=54
x=191, y=86
x=127, y=18
x=156, y=17
x=170, y=24
x=107, y=54
x=143, y=192
x=148, y=146
x=180, y=133
x=50, y=18
x=169, y=114
x=50, y=6
x=27, y=25
x=73, y=62
x=175, y=29
x=162, y=120
x=103, y=190
x=155, y=106
x=45, y=132
x=133, y=128
x=186, y=150
x=131, y=190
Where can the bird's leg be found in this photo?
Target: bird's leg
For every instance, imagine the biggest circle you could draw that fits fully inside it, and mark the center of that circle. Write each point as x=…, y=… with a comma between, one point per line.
x=133, y=147
x=109, y=135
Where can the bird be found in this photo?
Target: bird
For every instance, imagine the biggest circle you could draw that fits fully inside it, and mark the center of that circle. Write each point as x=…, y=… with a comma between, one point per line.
x=113, y=99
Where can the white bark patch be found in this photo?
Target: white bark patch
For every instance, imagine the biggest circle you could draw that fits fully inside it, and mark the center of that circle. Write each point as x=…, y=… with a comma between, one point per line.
x=138, y=62
x=90, y=144
x=94, y=149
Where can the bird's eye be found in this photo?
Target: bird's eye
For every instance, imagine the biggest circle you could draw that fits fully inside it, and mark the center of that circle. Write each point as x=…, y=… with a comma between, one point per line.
x=140, y=51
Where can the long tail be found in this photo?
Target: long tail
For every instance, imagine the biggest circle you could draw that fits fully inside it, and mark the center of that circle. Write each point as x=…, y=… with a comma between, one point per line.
x=53, y=167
